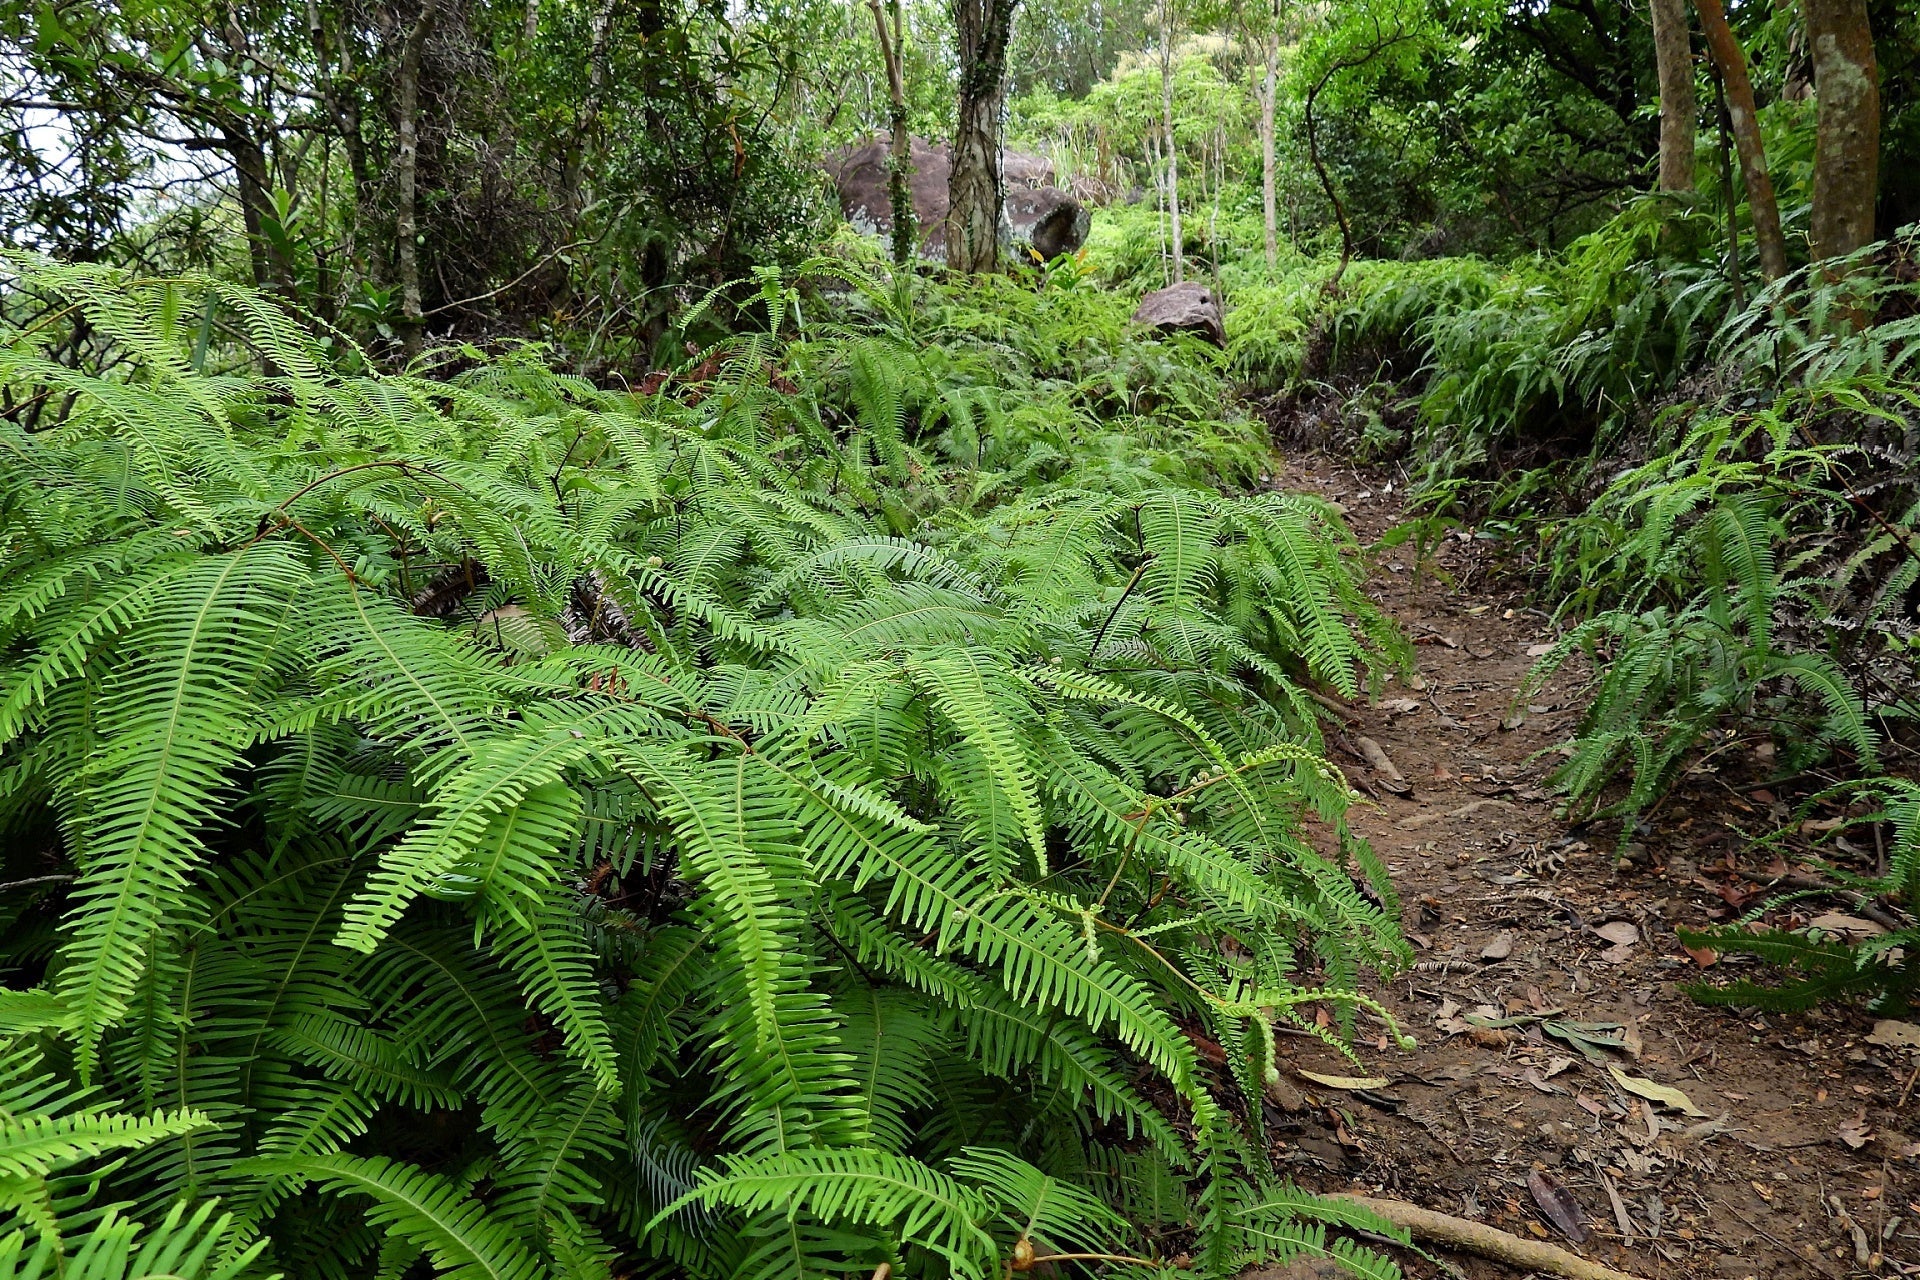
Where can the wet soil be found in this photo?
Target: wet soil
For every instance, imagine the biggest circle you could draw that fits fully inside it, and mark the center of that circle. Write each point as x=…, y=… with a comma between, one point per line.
x=1796, y=1157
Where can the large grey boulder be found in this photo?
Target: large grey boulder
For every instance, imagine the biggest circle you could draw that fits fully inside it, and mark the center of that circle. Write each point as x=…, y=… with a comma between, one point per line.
x=1037, y=215
x=1184, y=308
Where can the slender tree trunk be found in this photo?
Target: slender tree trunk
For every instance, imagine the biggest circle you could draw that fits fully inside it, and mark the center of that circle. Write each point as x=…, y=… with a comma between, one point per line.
x=1326, y=179
x=1173, y=147
x=1269, y=92
x=573, y=174
x=1673, y=58
x=1731, y=62
x=1846, y=160
x=899, y=140
x=974, y=192
x=1734, y=282
x=271, y=270
x=406, y=167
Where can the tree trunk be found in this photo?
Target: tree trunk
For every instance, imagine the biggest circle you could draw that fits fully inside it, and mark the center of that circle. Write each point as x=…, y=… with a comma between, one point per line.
x=271, y=270
x=974, y=191
x=899, y=140
x=1734, y=281
x=1731, y=63
x=1673, y=57
x=406, y=166
x=1846, y=159
x=1173, y=147
x=588, y=127
x=1326, y=179
x=1269, y=91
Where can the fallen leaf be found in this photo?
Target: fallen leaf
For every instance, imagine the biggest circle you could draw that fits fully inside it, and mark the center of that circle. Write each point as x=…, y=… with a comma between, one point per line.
x=1513, y=721
x=1621, y=933
x=1538, y=1081
x=1346, y=1082
x=1589, y=1037
x=1895, y=1034
x=1705, y=957
x=1539, y=650
x=1855, y=1132
x=1840, y=922
x=1499, y=949
x=1664, y=1094
x=1556, y=1065
x=1562, y=1210
x=1400, y=706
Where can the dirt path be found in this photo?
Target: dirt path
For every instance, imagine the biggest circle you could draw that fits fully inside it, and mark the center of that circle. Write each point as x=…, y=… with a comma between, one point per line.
x=1517, y=916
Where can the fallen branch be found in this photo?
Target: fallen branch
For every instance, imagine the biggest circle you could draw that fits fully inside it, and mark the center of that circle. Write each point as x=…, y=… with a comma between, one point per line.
x=1484, y=1241
x=1383, y=766
x=1338, y=708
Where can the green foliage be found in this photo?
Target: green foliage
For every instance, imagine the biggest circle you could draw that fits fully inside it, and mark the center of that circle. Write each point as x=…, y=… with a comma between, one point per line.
x=1820, y=966
x=766, y=827
x=1736, y=571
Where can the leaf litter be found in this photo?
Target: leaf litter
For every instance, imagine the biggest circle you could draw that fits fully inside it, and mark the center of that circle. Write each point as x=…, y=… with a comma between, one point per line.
x=1569, y=1074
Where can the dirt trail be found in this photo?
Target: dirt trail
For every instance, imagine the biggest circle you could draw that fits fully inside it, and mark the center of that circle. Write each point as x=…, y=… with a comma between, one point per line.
x=1517, y=916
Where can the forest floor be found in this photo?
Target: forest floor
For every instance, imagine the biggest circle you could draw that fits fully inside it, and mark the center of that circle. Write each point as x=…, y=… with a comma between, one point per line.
x=1800, y=1129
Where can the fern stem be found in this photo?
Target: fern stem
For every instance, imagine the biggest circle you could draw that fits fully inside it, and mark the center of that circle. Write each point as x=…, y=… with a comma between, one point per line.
x=1101, y=636
x=305, y=489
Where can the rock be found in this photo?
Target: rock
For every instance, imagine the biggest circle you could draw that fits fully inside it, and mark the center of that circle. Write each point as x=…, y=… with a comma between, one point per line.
x=1037, y=215
x=1183, y=308
x=860, y=176
x=1047, y=219
x=1024, y=169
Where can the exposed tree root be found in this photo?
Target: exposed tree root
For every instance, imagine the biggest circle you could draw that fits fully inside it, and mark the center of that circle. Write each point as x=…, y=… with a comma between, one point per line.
x=1485, y=1241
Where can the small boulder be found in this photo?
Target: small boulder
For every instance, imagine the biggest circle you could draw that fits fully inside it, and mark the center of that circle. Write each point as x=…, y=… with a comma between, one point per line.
x=1184, y=308
x=1047, y=219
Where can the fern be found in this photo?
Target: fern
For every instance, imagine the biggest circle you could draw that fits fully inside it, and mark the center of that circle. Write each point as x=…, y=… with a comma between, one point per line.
x=518, y=830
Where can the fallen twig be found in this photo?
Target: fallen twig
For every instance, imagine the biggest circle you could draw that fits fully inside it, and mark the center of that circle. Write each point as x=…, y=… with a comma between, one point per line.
x=1484, y=1241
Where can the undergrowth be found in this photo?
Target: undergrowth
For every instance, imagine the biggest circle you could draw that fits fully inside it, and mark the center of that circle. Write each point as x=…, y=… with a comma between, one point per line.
x=1718, y=501
x=799, y=815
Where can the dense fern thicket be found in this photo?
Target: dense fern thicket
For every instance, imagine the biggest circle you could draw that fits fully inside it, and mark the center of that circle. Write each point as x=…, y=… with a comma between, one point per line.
x=1717, y=498
x=807, y=813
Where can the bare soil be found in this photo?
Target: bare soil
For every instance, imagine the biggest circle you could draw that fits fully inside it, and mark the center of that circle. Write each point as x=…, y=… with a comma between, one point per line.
x=1803, y=1129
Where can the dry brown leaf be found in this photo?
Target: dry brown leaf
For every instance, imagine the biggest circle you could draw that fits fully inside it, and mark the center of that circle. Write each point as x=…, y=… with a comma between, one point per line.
x=1621, y=933
x=1664, y=1094
x=1705, y=957
x=1841, y=922
x=1499, y=948
x=1562, y=1210
x=1895, y=1034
